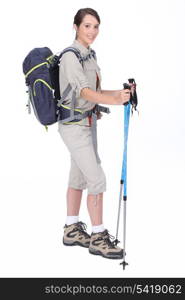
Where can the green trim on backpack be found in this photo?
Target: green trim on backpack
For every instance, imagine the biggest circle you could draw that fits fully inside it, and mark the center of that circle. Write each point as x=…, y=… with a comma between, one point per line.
x=50, y=58
x=76, y=109
x=44, y=82
x=35, y=67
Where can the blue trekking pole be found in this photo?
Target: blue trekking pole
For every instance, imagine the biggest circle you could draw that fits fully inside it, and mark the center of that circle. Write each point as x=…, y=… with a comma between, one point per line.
x=132, y=104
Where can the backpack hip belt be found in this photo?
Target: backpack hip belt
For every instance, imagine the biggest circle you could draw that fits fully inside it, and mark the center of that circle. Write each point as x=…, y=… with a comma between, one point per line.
x=68, y=115
x=71, y=114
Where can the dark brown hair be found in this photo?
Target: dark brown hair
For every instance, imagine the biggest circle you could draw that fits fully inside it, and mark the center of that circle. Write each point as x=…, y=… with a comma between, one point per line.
x=81, y=13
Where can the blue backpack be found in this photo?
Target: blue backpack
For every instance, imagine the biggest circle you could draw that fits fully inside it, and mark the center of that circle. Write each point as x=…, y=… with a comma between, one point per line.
x=41, y=69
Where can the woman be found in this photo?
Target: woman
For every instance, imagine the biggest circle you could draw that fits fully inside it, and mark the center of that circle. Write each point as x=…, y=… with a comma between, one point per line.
x=80, y=139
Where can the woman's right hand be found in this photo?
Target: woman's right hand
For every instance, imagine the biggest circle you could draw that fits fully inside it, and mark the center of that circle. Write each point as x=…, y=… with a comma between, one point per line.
x=123, y=97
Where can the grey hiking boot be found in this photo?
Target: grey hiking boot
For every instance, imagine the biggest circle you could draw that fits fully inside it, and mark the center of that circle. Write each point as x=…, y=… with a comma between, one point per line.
x=101, y=244
x=75, y=234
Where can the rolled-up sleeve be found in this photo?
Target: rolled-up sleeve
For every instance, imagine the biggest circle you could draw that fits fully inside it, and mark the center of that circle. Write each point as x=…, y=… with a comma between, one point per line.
x=74, y=73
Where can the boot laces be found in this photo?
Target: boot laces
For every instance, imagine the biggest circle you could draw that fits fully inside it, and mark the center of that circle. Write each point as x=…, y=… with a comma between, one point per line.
x=82, y=228
x=109, y=239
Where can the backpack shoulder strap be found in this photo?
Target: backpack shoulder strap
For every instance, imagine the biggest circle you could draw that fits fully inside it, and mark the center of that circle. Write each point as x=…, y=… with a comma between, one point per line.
x=93, y=53
x=75, y=51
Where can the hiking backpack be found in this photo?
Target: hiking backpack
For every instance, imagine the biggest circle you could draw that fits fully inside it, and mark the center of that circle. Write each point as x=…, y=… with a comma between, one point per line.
x=41, y=69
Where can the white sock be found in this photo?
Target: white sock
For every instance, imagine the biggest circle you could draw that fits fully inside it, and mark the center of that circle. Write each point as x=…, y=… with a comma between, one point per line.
x=98, y=228
x=72, y=219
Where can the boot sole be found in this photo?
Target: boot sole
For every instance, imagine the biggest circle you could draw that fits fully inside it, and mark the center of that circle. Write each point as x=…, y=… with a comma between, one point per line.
x=76, y=243
x=97, y=252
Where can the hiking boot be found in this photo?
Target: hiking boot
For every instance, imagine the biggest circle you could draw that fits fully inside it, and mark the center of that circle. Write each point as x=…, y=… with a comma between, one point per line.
x=75, y=234
x=101, y=244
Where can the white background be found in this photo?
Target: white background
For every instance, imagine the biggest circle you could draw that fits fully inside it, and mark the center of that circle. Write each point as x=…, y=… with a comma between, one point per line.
x=143, y=39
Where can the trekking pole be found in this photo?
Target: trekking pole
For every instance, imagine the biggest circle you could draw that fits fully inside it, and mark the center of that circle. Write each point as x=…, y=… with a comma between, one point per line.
x=123, y=182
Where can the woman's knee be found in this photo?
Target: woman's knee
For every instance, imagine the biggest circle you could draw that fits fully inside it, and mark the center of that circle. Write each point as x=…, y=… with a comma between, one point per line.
x=98, y=185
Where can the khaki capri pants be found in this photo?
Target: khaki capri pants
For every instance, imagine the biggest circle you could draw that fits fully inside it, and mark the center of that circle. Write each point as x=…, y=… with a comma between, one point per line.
x=86, y=170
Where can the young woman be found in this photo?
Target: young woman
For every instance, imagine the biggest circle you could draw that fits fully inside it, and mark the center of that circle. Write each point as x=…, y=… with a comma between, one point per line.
x=81, y=139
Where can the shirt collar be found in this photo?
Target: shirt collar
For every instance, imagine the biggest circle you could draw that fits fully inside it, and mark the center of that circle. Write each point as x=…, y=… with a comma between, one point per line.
x=84, y=51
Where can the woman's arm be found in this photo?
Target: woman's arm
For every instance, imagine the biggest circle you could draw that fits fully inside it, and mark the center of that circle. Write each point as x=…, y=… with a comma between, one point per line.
x=116, y=98
x=111, y=93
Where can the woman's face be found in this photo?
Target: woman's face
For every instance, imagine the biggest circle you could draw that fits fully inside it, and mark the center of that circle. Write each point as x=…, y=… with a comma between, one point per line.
x=87, y=31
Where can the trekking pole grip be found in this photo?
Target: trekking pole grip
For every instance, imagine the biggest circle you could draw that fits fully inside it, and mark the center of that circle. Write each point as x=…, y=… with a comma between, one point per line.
x=133, y=96
x=126, y=86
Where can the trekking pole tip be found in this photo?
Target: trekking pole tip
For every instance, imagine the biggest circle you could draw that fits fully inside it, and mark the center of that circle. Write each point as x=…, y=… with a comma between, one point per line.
x=124, y=263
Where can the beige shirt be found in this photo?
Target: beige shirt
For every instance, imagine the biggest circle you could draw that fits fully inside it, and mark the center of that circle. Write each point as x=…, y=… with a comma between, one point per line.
x=72, y=72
